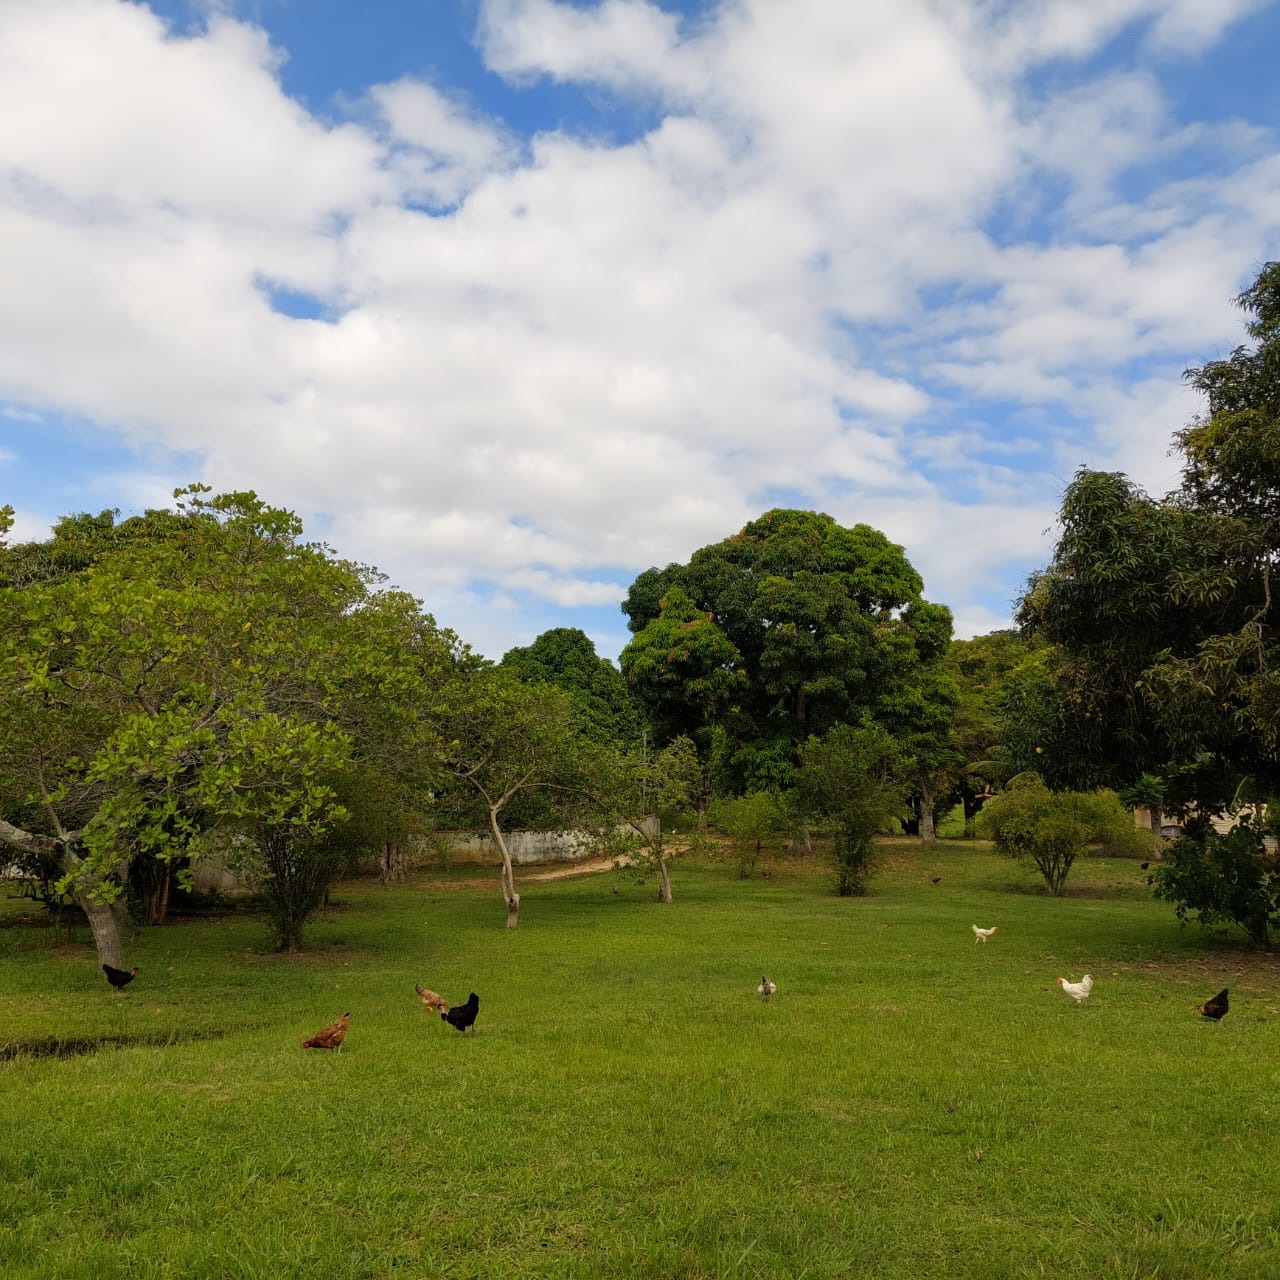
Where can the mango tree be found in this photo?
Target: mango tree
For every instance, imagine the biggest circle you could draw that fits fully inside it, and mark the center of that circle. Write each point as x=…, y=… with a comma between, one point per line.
x=806, y=615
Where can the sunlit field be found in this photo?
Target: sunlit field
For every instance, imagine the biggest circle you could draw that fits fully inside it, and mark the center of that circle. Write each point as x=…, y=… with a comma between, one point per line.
x=910, y=1104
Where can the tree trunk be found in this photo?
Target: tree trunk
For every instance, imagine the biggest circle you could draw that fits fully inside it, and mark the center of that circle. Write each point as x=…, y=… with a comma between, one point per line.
x=509, y=894
x=664, y=885
x=393, y=862
x=107, y=922
x=928, y=794
x=163, y=912
x=801, y=845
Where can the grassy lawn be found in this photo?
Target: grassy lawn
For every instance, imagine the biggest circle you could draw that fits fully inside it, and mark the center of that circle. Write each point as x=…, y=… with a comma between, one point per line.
x=909, y=1105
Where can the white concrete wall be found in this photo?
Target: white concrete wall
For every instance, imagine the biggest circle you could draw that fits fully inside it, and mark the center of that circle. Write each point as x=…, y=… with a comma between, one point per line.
x=527, y=848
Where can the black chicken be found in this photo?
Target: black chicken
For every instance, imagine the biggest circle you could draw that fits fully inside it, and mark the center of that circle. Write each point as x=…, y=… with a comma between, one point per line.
x=463, y=1016
x=118, y=977
x=1215, y=1008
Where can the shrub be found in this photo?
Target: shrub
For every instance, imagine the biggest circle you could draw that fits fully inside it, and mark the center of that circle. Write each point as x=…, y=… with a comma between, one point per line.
x=752, y=822
x=848, y=783
x=1053, y=828
x=1220, y=878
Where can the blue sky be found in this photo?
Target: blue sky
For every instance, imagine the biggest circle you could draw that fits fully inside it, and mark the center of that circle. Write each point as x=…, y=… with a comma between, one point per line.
x=515, y=298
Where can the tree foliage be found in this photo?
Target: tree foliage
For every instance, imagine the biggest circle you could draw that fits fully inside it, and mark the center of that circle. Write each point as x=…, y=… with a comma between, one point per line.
x=776, y=634
x=682, y=667
x=850, y=783
x=753, y=823
x=1161, y=612
x=986, y=670
x=205, y=668
x=1229, y=878
x=521, y=757
x=1054, y=828
x=566, y=658
x=653, y=784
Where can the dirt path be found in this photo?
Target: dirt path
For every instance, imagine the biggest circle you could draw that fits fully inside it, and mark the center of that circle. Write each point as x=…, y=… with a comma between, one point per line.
x=587, y=867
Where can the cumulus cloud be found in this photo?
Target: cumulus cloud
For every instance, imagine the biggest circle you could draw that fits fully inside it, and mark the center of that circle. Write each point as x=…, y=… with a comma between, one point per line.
x=526, y=367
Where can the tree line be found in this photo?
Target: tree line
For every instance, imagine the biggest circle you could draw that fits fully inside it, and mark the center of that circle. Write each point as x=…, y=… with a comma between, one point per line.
x=201, y=677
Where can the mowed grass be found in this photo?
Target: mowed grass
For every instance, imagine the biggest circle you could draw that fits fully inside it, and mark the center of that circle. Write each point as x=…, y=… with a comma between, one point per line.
x=910, y=1104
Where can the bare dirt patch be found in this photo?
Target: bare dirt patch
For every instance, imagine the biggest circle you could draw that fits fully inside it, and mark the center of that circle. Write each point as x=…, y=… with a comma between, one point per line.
x=1260, y=968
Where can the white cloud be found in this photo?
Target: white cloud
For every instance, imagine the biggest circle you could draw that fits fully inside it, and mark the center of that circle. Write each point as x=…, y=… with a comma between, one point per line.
x=446, y=149
x=623, y=43
x=591, y=356
x=101, y=106
x=28, y=526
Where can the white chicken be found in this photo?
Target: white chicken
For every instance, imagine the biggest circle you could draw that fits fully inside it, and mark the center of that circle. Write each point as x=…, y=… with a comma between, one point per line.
x=1078, y=991
x=981, y=935
x=767, y=987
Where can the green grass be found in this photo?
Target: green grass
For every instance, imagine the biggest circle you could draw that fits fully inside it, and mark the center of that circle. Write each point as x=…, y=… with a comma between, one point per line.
x=910, y=1104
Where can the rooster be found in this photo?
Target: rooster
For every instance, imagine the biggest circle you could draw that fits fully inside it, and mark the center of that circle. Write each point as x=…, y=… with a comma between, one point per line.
x=767, y=987
x=1215, y=1008
x=1078, y=991
x=330, y=1037
x=462, y=1016
x=981, y=935
x=431, y=1000
x=119, y=978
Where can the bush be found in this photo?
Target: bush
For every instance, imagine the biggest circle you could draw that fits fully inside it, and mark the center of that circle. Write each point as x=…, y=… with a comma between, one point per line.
x=1053, y=828
x=848, y=783
x=1219, y=878
x=752, y=822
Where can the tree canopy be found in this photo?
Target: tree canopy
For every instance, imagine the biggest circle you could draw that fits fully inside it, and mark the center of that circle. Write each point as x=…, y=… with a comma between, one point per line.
x=1161, y=612
x=776, y=634
x=566, y=658
x=1054, y=828
x=202, y=667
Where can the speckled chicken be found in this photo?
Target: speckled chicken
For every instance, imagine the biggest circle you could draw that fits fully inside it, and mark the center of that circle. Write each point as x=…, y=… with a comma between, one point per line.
x=433, y=1001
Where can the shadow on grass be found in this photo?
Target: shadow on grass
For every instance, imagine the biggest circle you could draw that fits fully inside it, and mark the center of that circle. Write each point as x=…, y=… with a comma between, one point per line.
x=74, y=1047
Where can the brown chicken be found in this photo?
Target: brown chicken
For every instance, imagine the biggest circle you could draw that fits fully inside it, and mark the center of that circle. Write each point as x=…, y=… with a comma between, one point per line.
x=330, y=1037
x=435, y=1002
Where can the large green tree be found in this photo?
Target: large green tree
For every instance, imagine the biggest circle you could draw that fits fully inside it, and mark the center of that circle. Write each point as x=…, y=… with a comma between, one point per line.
x=566, y=657
x=204, y=668
x=776, y=634
x=1162, y=613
